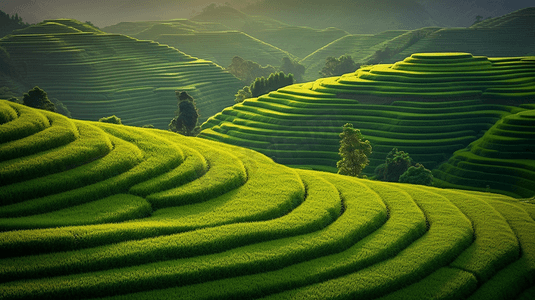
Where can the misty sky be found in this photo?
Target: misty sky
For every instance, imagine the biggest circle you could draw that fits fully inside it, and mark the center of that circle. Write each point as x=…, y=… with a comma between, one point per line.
x=109, y=12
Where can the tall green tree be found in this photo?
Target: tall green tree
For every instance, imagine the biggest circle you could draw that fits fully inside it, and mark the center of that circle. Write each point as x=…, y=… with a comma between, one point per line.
x=187, y=115
x=38, y=98
x=354, y=151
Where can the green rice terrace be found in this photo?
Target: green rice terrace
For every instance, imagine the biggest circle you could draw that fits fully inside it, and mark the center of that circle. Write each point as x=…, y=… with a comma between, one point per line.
x=92, y=210
x=429, y=105
x=97, y=74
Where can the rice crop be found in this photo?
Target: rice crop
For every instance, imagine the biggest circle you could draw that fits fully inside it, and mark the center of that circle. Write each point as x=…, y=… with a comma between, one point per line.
x=96, y=74
x=430, y=105
x=276, y=233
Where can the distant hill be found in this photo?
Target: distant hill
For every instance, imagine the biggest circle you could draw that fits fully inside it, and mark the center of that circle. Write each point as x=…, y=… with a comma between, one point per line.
x=97, y=75
x=509, y=35
x=221, y=32
x=353, y=16
x=211, y=41
x=463, y=13
x=429, y=105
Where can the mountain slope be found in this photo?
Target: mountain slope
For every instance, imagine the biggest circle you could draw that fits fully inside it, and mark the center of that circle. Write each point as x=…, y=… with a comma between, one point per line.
x=353, y=16
x=429, y=105
x=95, y=210
x=97, y=75
x=509, y=35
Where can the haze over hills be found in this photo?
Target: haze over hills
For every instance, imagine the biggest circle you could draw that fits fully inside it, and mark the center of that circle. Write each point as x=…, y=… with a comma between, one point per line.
x=96, y=74
x=454, y=13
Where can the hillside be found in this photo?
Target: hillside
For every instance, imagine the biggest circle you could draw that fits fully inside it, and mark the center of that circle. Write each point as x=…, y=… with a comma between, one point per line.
x=509, y=35
x=353, y=16
x=95, y=210
x=219, y=37
x=502, y=160
x=96, y=74
x=429, y=105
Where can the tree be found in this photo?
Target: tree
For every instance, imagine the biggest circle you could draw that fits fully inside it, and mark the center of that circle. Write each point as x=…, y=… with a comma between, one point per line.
x=187, y=115
x=112, y=120
x=38, y=98
x=290, y=66
x=417, y=174
x=397, y=163
x=338, y=66
x=354, y=151
x=247, y=71
x=243, y=94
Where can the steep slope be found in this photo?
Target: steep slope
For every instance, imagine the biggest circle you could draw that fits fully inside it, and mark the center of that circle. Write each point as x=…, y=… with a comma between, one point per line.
x=95, y=210
x=510, y=35
x=503, y=160
x=222, y=46
x=429, y=105
x=96, y=74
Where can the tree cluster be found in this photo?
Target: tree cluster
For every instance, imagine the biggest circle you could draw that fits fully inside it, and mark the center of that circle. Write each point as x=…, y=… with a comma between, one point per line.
x=112, y=120
x=399, y=167
x=293, y=67
x=338, y=66
x=354, y=151
x=9, y=23
x=248, y=71
x=186, y=117
x=38, y=98
x=263, y=86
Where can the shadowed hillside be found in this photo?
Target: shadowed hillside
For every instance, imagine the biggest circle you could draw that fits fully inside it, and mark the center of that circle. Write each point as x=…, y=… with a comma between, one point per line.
x=96, y=74
x=429, y=105
x=510, y=35
x=93, y=210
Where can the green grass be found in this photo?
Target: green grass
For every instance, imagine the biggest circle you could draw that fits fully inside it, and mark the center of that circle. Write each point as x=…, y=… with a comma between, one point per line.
x=501, y=161
x=102, y=229
x=96, y=74
x=424, y=118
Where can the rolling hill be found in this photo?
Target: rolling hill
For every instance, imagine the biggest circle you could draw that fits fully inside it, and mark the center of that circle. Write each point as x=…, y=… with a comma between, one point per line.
x=97, y=74
x=94, y=210
x=509, y=35
x=429, y=105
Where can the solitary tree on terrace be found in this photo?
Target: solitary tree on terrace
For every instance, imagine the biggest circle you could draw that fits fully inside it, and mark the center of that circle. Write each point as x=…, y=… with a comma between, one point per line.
x=185, y=122
x=354, y=151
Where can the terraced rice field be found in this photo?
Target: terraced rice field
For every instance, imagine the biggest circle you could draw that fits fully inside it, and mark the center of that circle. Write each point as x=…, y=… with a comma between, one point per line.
x=220, y=47
x=509, y=35
x=502, y=161
x=429, y=105
x=97, y=75
x=359, y=46
x=93, y=210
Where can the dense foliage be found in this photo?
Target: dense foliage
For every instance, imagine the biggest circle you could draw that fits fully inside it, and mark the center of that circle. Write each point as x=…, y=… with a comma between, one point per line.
x=9, y=23
x=247, y=70
x=38, y=98
x=187, y=115
x=338, y=66
x=417, y=174
x=293, y=67
x=263, y=86
x=111, y=119
x=354, y=151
